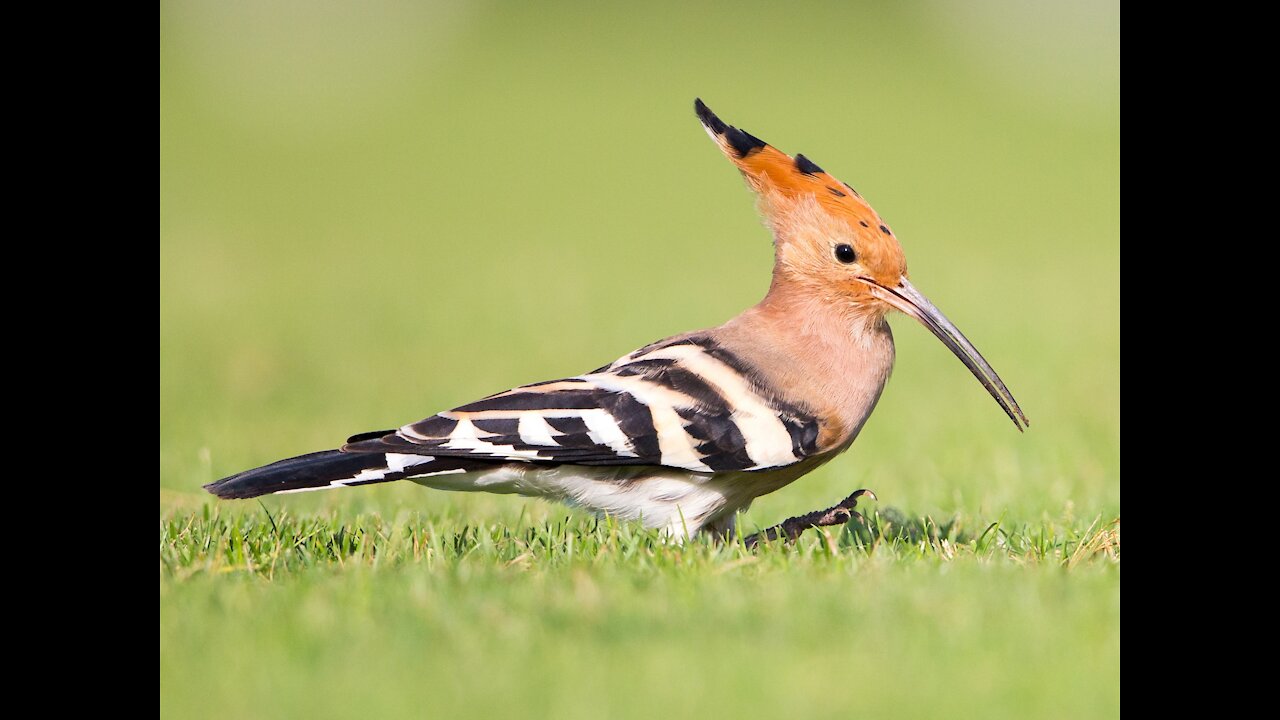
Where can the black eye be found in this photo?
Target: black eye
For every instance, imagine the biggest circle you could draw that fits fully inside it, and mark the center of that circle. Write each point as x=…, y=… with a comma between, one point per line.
x=845, y=254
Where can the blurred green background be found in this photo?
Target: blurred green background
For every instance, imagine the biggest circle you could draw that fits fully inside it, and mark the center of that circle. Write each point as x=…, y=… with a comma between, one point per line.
x=373, y=211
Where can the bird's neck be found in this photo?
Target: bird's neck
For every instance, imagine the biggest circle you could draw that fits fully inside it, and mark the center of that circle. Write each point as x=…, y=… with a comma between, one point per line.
x=837, y=353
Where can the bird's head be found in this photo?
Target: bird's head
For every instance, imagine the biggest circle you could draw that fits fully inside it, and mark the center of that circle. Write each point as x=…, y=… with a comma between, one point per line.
x=832, y=244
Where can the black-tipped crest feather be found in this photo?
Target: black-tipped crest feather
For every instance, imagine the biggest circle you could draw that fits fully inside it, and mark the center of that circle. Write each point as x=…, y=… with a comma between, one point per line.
x=807, y=166
x=742, y=142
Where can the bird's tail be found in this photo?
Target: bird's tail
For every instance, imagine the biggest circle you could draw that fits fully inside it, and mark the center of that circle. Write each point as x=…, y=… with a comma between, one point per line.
x=329, y=469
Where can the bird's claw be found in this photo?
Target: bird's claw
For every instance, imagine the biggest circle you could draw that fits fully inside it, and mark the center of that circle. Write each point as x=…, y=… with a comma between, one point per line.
x=853, y=498
x=791, y=528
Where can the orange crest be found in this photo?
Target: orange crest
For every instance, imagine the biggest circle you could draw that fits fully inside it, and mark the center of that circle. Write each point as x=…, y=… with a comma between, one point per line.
x=802, y=203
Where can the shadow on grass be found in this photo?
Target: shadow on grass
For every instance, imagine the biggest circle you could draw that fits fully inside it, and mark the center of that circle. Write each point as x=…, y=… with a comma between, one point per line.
x=1067, y=542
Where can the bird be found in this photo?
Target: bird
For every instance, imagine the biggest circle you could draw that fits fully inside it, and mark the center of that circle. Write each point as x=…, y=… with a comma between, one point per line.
x=684, y=433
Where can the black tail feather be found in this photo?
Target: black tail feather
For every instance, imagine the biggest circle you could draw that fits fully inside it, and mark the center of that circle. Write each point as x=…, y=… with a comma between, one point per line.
x=311, y=471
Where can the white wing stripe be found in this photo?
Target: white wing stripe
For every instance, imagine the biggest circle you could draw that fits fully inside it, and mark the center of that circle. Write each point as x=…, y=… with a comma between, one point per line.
x=397, y=462
x=535, y=430
x=465, y=437
x=768, y=442
x=604, y=430
x=675, y=443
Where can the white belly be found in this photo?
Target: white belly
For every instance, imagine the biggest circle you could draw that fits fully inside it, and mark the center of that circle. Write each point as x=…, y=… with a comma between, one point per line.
x=675, y=500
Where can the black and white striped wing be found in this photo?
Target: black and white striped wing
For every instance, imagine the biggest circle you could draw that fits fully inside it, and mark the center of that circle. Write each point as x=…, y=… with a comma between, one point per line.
x=687, y=404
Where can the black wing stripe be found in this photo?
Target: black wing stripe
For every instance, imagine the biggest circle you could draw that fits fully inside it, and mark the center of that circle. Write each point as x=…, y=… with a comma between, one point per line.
x=559, y=400
x=685, y=402
x=433, y=427
x=709, y=399
x=714, y=349
x=635, y=420
x=804, y=435
x=569, y=426
x=721, y=445
x=506, y=427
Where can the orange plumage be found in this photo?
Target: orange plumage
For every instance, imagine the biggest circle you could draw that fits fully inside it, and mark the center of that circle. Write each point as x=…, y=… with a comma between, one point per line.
x=810, y=210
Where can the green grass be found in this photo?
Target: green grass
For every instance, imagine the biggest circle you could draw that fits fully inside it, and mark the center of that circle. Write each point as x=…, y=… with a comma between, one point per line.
x=335, y=615
x=368, y=216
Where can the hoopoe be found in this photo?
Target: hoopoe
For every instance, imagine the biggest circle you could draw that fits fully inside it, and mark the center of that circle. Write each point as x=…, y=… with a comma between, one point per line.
x=684, y=433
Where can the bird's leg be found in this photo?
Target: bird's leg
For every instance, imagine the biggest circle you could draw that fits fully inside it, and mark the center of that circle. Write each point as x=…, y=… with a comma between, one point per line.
x=722, y=529
x=792, y=528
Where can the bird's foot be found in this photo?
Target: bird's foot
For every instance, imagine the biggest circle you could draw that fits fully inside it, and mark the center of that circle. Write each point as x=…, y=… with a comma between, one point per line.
x=792, y=528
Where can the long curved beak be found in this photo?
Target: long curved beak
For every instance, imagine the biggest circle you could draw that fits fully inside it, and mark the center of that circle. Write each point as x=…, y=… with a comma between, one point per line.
x=909, y=300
